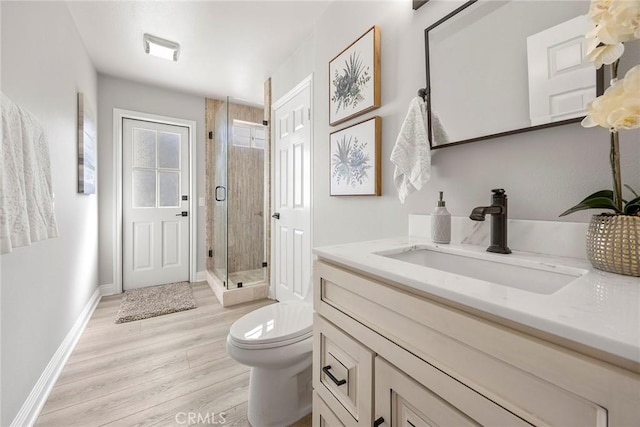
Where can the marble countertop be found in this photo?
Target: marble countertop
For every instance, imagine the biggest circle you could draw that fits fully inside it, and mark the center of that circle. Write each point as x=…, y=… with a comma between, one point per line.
x=598, y=309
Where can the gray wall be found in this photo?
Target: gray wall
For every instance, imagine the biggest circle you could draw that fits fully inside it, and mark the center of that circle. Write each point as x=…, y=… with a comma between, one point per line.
x=544, y=172
x=46, y=285
x=128, y=95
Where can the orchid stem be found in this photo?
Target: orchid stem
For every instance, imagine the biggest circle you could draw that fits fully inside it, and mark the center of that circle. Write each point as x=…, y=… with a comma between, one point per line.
x=614, y=157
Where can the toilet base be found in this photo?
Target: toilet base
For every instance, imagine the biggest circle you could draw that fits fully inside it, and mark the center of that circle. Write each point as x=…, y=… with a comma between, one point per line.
x=291, y=402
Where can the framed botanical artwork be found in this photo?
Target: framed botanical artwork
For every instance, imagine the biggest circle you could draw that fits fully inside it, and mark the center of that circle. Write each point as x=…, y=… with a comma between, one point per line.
x=355, y=159
x=354, y=78
x=86, y=148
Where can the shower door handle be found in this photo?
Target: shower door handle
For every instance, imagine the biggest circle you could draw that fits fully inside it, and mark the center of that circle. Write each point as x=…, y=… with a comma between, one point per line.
x=276, y=215
x=224, y=194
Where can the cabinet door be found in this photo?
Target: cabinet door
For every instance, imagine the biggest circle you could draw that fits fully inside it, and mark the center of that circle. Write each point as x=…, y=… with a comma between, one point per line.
x=401, y=401
x=322, y=415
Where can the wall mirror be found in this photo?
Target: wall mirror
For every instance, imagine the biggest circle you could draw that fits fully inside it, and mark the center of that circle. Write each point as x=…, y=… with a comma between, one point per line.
x=496, y=68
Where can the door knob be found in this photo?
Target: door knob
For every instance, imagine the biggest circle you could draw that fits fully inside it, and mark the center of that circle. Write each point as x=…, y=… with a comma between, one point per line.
x=183, y=213
x=276, y=215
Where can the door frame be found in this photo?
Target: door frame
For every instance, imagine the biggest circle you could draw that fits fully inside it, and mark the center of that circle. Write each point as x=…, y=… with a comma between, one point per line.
x=307, y=82
x=118, y=116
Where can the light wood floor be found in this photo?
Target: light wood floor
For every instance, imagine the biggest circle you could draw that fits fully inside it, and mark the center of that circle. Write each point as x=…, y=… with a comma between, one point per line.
x=147, y=372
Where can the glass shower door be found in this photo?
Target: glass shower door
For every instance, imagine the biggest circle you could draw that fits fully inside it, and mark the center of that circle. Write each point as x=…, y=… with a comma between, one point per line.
x=220, y=204
x=238, y=194
x=246, y=205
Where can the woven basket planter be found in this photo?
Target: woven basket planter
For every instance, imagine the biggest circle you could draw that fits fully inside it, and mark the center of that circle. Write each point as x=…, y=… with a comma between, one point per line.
x=613, y=243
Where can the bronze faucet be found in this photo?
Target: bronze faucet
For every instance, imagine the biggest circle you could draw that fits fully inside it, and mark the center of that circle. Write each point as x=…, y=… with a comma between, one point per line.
x=498, y=212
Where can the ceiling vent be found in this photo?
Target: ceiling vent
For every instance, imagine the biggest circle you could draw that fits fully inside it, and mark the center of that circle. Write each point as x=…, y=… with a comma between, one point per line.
x=161, y=48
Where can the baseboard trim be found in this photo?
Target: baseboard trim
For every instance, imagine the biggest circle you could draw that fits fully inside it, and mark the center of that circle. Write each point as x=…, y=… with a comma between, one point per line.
x=201, y=276
x=108, y=289
x=31, y=408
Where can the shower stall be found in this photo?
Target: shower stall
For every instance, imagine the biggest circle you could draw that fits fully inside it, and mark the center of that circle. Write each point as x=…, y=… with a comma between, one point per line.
x=237, y=194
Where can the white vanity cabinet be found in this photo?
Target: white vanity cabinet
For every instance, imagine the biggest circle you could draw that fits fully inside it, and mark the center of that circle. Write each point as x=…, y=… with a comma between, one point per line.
x=399, y=357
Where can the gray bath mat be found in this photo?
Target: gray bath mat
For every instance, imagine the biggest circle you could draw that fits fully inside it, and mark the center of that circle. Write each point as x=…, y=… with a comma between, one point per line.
x=155, y=301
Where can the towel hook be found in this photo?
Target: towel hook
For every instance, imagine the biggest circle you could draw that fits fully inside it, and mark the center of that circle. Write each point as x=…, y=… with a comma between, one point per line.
x=422, y=93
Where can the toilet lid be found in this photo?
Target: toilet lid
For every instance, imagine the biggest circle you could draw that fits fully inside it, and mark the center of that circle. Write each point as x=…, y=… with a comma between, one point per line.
x=274, y=323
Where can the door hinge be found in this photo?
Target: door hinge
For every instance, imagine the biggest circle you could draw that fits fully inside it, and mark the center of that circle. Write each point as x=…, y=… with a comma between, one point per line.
x=264, y=264
x=210, y=253
x=210, y=135
x=265, y=123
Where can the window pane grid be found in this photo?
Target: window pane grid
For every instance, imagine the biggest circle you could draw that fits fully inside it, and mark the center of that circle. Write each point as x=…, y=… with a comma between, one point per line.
x=156, y=178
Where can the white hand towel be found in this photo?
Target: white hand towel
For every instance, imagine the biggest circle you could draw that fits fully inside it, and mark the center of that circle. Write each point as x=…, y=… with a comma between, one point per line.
x=37, y=179
x=412, y=155
x=26, y=196
x=14, y=220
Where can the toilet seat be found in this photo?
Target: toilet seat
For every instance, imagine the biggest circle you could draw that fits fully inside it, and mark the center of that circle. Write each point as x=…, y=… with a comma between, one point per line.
x=275, y=325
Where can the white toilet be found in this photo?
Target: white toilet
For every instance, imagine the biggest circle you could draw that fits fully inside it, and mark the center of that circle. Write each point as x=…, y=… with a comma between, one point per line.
x=276, y=342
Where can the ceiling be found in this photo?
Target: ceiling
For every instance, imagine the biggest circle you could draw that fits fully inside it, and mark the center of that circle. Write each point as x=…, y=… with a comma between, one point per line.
x=227, y=47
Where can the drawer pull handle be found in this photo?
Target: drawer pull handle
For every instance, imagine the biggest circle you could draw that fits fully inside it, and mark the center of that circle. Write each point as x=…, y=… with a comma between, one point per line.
x=331, y=377
x=378, y=422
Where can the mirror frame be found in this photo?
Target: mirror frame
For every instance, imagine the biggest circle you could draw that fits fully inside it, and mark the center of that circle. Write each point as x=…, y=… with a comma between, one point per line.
x=599, y=91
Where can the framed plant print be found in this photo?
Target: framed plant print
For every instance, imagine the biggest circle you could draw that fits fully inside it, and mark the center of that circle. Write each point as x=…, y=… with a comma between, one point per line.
x=354, y=78
x=355, y=159
x=87, y=149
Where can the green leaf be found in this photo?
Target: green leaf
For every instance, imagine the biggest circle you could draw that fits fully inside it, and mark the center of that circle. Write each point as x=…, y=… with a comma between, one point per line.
x=602, y=193
x=595, y=201
x=633, y=207
x=628, y=187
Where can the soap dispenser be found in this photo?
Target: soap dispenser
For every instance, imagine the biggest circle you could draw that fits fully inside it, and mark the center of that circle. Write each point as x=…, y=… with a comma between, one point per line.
x=441, y=223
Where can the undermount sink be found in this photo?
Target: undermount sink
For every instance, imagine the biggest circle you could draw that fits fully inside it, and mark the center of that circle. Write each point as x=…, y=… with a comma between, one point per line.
x=537, y=279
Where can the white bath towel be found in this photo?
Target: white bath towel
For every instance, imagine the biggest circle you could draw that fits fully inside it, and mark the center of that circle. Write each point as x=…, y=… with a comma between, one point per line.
x=412, y=155
x=26, y=195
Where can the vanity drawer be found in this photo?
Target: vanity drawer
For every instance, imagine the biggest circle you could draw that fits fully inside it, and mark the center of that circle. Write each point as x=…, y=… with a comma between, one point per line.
x=342, y=373
x=322, y=415
x=522, y=374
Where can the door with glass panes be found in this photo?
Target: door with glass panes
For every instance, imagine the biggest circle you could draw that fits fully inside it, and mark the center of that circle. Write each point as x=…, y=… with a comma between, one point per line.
x=155, y=206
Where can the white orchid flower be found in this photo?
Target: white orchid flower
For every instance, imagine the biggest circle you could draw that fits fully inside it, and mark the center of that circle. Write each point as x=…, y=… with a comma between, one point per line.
x=598, y=9
x=631, y=81
x=627, y=17
x=600, y=54
x=619, y=106
x=617, y=21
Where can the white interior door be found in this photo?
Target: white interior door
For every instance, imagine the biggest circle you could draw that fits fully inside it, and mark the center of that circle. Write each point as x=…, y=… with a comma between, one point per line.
x=155, y=206
x=292, y=197
x=561, y=80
